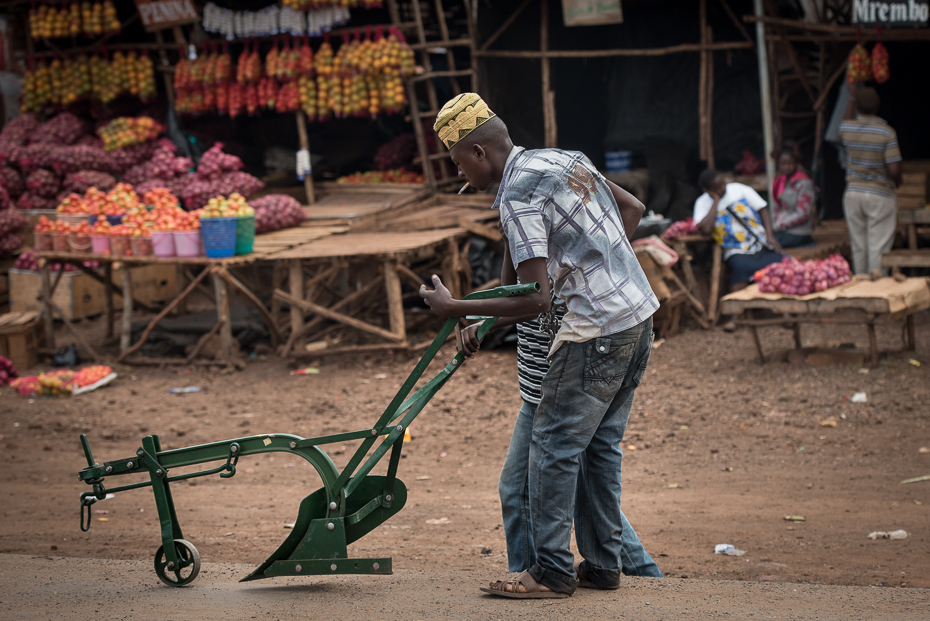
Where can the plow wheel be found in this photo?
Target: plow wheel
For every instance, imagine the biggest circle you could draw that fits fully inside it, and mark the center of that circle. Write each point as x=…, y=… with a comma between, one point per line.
x=188, y=564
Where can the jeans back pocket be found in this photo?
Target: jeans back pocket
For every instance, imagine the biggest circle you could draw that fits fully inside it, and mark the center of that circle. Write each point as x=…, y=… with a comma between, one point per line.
x=606, y=364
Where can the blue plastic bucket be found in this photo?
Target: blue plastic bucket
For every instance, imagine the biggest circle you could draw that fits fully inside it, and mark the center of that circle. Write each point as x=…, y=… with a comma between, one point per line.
x=219, y=237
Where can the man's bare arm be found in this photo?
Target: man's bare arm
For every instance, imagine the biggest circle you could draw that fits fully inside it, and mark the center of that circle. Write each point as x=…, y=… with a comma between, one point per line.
x=630, y=208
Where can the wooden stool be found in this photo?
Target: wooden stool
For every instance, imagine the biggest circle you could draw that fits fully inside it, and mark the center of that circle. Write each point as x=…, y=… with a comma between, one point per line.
x=18, y=338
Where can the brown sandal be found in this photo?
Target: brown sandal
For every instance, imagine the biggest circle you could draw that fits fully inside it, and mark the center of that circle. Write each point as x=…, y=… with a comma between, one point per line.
x=530, y=588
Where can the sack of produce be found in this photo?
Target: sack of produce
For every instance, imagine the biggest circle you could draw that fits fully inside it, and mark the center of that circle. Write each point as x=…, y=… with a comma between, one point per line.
x=860, y=67
x=880, y=63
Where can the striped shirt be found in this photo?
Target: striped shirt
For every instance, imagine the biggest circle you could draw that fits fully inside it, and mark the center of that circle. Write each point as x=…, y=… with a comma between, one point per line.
x=555, y=205
x=532, y=361
x=870, y=145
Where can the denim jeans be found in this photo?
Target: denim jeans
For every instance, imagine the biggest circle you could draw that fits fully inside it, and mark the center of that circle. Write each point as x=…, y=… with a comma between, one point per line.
x=515, y=506
x=585, y=406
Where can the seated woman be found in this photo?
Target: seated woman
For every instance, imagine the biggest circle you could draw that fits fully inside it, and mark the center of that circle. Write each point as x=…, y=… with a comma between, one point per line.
x=739, y=220
x=793, y=197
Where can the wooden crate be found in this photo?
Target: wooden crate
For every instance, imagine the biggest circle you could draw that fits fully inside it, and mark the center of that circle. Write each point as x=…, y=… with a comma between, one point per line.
x=18, y=339
x=78, y=295
x=81, y=296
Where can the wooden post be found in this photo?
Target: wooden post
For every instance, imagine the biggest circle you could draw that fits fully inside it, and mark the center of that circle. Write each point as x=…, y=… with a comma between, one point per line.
x=295, y=278
x=277, y=277
x=818, y=131
x=125, y=335
x=709, y=107
x=47, y=307
x=421, y=137
x=180, y=283
x=755, y=337
x=702, y=83
x=395, y=300
x=108, y=297
x=911, y=327
x=548, y=97
x=716, y=268
x=305, y=144
x=222, y=316
x=873, y=344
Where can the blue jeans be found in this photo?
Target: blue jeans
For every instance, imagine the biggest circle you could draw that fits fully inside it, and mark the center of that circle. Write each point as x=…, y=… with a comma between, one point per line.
x=515, y=506
x=585, y=406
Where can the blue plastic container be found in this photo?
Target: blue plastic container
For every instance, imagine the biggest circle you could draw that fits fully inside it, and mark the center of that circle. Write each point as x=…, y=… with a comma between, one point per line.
x=114, y=220
x=219, y=237
x=618, y=161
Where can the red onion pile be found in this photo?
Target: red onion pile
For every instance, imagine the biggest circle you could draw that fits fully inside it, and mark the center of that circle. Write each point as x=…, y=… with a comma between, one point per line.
x=43, y=182
x=28, y=200
x=60, y=130
x=793, y=277
x=7, y=371
x=79, y=182
x=277, y=211
x=28, y=261
x=12, y=181
x=680, y=229
x=12, y=224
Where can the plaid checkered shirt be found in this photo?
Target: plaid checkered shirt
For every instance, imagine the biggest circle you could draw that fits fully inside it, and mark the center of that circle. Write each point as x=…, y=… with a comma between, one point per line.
x=555, y=205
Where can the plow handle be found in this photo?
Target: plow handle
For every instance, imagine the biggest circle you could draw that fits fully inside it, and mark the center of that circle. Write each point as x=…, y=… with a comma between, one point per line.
x=86, y=446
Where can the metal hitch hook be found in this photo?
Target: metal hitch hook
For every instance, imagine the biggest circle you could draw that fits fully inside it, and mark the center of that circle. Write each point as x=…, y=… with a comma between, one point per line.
x=231, y=461
x=87, y=499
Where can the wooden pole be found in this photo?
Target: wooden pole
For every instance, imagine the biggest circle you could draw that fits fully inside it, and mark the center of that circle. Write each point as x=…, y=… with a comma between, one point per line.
x=223, y=317
x=125, y=335
x=108, y=298
x=548, y=97
x=818, y=128
x=776, y=102
x=421, y=138
x=650, y=51
x=305, y=145
x=47, y=319
x=395, y=300
x=711, y=160
x=702, y=83
x=765, y=94
x=340, y=317
x=510, y=20
x=295, y=277
x=253, y=299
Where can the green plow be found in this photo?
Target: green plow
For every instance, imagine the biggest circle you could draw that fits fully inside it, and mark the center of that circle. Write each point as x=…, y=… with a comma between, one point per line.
x=350, y=504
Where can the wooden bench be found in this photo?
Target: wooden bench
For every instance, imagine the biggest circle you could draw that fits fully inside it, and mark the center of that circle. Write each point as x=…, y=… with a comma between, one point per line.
x=911, y=220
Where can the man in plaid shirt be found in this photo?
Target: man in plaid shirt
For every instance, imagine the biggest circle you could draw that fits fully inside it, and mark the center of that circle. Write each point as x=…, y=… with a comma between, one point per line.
x=563, y=220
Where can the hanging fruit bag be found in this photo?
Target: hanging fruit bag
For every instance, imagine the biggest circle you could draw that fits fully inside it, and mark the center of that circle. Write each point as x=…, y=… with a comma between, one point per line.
x=860, y=69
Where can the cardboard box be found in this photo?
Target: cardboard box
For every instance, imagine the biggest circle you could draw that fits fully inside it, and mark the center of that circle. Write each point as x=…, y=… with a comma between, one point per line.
x=81, y=296
x=18, y=339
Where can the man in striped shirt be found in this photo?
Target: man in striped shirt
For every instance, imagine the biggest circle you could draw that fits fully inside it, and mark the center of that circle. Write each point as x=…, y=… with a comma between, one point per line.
x=873, y=171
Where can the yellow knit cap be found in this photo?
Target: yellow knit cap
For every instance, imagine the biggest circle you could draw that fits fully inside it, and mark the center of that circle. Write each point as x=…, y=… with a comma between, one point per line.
x=461, y=116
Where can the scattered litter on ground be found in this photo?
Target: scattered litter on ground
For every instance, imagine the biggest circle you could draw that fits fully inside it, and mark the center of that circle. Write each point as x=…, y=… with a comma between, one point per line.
x=864, y=371
x=184, y=390
x=894, y=534
x=306, y=371
x=291, y=525
x=442, y=520
x=795, y=518
x=103, y=519
x=656, y=344
x=859, y=397
x=829, y=422
x=914, y=362
x=926, y=477
x=728, y=550
x=672, y=486
x=425, y=477
x=924, y=449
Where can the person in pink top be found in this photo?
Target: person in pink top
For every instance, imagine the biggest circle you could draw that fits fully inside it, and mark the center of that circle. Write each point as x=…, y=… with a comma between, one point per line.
x=793, y=197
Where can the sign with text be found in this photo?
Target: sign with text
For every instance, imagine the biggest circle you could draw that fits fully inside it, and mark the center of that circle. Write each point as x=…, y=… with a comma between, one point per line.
x=591, y=12
x=161, y=14
x=893, y=13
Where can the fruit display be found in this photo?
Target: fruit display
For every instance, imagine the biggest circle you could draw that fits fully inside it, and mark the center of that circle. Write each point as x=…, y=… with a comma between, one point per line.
x=792, y=277
x=62, y=129
x=860, y=65
x=12, y=224
x=73, y=20
x=126, y=131
x=60, y=383
x=277, y=211
x=7, y=371
x=880, y=63
x=383, y=176
x=222, y=207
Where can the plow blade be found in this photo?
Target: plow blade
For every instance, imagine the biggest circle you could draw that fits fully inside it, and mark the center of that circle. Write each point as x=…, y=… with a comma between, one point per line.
x=317, y=543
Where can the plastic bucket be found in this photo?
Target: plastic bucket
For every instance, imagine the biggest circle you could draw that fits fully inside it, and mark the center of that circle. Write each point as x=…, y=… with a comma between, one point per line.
x=122, y=245
x=60, y=242
x=219, y=237
x=187, y=243
x=44, y=240
x=100, y=244
x=245, y=234
x=114, y=220
x=72, y=218
x=80, y=243
x=163, y=243
x=618, y=161
x=141, y=246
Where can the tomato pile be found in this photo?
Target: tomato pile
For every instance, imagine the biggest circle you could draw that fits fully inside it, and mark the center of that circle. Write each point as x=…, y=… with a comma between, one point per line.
x=383, y=176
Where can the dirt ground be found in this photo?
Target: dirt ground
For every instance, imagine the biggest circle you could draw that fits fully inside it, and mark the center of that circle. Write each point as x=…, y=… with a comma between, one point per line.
x=719, y=449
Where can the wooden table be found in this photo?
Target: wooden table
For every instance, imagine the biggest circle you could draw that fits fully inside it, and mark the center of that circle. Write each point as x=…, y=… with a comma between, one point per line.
x=857, y=302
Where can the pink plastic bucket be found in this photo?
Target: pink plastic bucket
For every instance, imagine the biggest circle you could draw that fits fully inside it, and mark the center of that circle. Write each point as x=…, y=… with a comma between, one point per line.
x=187, y=243
x=100, y=244
x=163, y=243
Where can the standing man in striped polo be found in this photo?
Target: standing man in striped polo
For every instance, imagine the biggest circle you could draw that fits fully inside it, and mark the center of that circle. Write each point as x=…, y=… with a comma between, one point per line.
x=873, y=171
